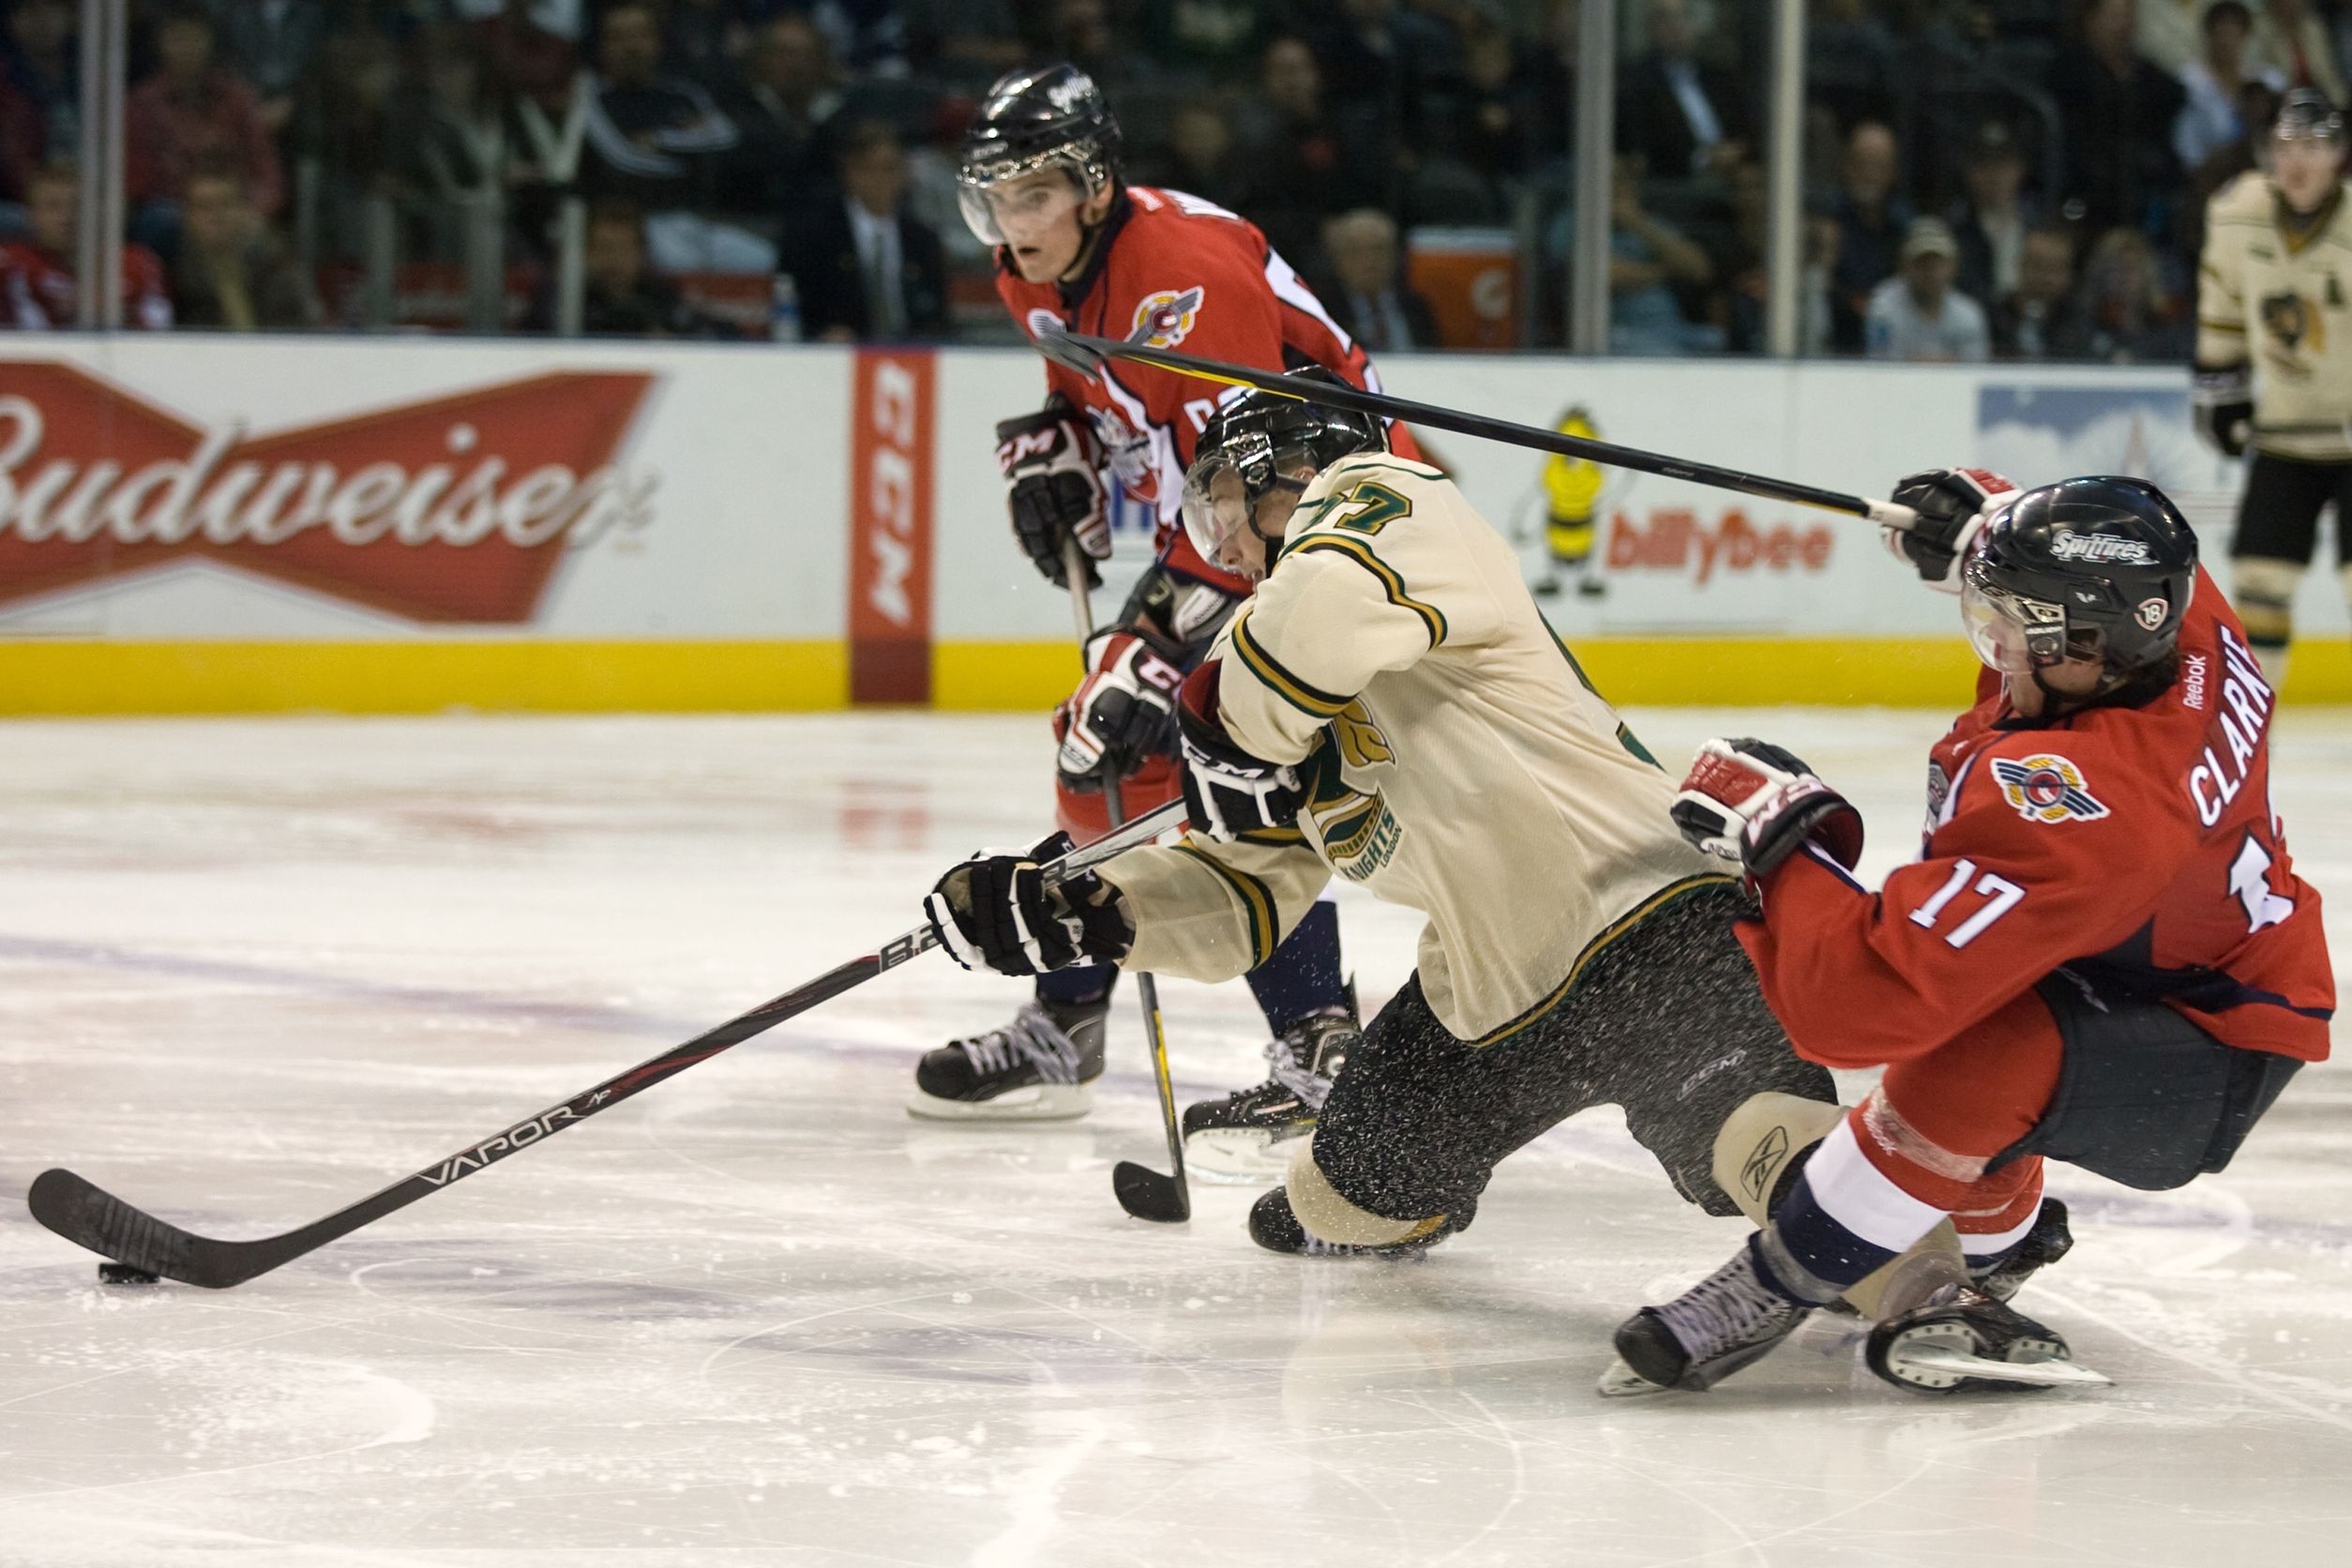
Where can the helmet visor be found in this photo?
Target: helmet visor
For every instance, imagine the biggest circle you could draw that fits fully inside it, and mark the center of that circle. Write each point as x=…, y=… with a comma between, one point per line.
x=1215, y=504
x=1018, y=202
x=2011, y=632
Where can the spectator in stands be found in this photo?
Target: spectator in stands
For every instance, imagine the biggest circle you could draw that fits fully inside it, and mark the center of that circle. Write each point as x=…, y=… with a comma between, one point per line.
x=1651, y=265
x=347, y=130
x=271, y=43
x=527, y=49
x=454, y=141
x=1080, y=32
x=40, y=64
x=1387, y=57
x=868, y=271
x=2213, y=80
x=2133, y=318
x=652, y=136
x=192, y=114
x=2117, y=108
x=1208, y=40
x=1300, y=165
x=23, y=148
x=1200, y=157
x=2040, y=318
x=37, y=285
x=231, y=274
x=621, y=296
x=2291, y=40
x=780, y=104
x=702, y=39
x=2166, y=31
x=1366, y=294
x=1682, y=117
x=1991, y=218
x=1872, y=220
x=1917, y=314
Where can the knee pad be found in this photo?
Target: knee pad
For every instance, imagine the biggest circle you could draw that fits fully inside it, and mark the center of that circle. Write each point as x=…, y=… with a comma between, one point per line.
x=1762, y=1144
x=1327, y=1216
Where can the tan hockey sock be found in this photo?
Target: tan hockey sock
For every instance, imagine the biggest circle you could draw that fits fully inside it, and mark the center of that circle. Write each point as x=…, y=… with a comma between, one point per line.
x=1329, y=1217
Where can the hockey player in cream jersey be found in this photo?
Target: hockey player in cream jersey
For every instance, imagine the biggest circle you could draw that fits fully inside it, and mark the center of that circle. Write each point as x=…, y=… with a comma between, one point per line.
x=2274, y=360
x=1389, y=705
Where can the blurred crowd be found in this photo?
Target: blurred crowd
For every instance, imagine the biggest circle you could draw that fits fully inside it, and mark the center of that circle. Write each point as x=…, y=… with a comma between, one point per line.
x=1982, y=178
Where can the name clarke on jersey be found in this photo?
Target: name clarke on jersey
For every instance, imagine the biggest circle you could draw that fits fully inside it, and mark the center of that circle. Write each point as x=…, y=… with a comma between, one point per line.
x=2240, y=720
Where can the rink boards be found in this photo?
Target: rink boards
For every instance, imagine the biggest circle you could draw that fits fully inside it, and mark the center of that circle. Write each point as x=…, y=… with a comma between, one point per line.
x=194, y=524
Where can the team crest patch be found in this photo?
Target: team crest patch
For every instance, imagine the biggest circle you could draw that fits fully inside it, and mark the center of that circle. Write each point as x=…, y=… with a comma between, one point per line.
x=1044, y=324
x=1163, y=320
x=2046, y=788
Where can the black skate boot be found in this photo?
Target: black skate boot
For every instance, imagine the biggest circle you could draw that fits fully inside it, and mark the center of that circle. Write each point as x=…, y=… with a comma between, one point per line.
x=1961, y=1340
x=1703, y=1336
x=1273, y=1226
x=1040, y=1068
x=1250, y=1135
x=2044, y=1245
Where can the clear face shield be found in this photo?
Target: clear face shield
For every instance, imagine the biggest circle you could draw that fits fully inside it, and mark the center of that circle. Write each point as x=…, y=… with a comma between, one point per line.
x=2010, y=633
x=1021, y=201
x=1216, y=504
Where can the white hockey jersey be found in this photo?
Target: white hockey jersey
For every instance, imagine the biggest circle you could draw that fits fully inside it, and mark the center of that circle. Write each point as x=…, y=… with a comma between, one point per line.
x=2282, y=302
x=1453, y=757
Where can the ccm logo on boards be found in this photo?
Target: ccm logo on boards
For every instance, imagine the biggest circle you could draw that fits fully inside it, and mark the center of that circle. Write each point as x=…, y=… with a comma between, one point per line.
x=890, y=528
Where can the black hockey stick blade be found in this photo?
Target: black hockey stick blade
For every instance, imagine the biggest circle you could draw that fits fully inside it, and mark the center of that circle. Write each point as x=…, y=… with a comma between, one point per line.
x=1148, y=1195
x=89, y=1216
x=1087, y=354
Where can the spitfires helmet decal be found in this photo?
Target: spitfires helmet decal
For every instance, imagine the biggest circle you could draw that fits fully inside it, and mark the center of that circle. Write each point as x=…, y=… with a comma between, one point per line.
x=2046, y=788
x=1164, y=319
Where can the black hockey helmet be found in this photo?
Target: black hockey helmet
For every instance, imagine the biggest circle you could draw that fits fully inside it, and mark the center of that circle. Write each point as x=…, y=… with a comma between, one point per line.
x=1052, y=117
x=2099, y=567
x=2306, y=112
x=1262, y=438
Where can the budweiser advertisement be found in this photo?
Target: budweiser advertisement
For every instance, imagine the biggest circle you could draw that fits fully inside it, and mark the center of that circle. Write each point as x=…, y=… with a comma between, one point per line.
x=448, y=509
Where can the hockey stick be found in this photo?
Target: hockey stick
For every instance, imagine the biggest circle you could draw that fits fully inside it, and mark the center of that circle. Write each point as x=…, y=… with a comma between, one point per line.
x=92, y=1217
x=1142, y=1191
x=1084, y=354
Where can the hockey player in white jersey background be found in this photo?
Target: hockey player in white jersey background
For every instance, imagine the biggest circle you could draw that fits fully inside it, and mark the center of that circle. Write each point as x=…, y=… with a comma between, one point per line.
x=2274, y=360
x=1389, y=706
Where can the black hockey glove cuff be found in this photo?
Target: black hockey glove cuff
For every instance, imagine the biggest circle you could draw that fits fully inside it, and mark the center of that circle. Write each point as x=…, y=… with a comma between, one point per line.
x=2223, y=396
x=995, y=912
x=1051, y=461
x=1228, y=791
x=1952, y=503
x=1755, y=804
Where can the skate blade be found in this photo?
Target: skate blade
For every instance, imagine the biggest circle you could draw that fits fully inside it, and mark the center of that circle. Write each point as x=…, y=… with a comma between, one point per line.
x=2042, y=1374
x=1053, y=1102
x=1230, y=1156
x=1621, y=1381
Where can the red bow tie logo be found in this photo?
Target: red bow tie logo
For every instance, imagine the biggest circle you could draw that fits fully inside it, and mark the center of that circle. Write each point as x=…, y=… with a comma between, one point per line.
x=452, y=510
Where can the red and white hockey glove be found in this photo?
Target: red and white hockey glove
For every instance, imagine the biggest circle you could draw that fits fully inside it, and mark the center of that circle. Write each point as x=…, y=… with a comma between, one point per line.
x=1228, y=791
x=1754, y=804
x=1053, y=465
x=1122, y=712
x=995, y=912
x=1952, y=503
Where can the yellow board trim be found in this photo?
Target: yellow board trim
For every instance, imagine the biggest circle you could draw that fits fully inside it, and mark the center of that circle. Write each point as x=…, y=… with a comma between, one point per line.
x=46, y=676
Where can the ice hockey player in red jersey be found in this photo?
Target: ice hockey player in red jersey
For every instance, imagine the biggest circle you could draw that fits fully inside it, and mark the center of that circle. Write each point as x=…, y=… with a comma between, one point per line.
x=2102, y=955
x=1078, y=249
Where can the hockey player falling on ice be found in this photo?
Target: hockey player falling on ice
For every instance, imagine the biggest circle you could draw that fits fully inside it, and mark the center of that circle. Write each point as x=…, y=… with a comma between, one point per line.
x=2274, y=360
x=2102, y=956
x=1077, y=249
x=1389, y=705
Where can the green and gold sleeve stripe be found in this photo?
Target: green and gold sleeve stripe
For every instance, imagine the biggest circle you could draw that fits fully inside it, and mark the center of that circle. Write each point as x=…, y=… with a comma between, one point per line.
x=1311, y=700
x=1273, y=838
x=1360, y=553
x=1257, y=900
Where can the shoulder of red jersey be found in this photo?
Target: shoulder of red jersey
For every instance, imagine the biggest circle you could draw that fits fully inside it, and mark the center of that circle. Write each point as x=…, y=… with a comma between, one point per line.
x=1180, y=260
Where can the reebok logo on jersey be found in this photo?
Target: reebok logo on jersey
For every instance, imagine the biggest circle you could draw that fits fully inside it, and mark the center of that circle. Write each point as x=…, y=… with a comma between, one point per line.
x=2046, y=788
x=2099, y=547
x=1163, y=320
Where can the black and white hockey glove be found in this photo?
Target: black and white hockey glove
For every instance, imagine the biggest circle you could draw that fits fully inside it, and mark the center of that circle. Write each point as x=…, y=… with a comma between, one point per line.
x=1123, y=711
x=1754, y=804
x=995, y=912
x=1952, y=503
x=2223, y=396
x=1228, y=791
x=1053, y=465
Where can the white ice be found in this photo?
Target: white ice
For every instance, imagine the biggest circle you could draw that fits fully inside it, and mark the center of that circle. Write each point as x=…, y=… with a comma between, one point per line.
x=252, y=971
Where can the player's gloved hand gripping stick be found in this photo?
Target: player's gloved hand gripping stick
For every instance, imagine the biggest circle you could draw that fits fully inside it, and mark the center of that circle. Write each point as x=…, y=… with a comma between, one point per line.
x=89, y=1216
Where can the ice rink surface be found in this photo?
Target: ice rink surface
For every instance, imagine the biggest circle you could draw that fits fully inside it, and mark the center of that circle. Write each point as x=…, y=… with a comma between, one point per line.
x=251, y=971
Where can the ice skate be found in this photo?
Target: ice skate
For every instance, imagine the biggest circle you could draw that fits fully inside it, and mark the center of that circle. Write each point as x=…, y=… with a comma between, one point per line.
x=1273, y=1226
x=1039, y=1067
x=1249, y=1134
x=1962, y=1340
x=1703, y=1336
x=2048, y=1240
